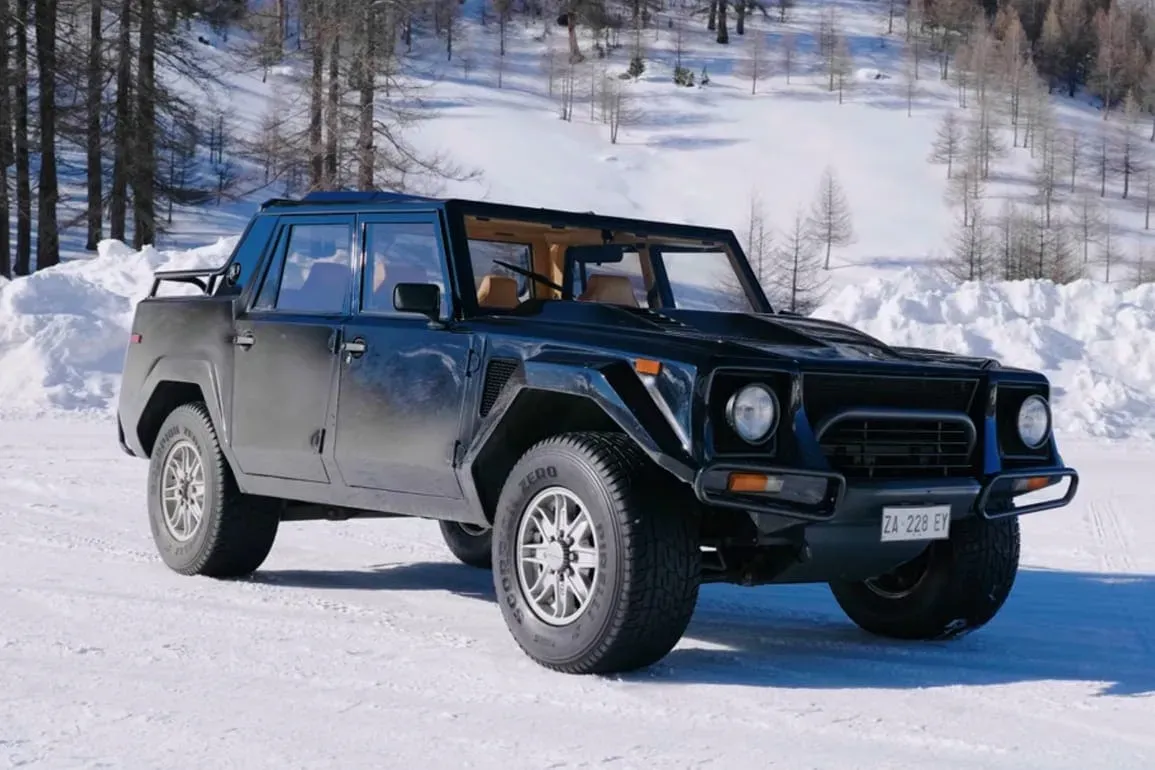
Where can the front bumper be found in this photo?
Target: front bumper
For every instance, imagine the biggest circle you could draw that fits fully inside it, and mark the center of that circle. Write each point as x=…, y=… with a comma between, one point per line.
x=822, y=496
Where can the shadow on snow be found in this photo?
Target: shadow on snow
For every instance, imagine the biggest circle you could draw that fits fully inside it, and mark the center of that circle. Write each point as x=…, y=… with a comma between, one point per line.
x=1057, y=625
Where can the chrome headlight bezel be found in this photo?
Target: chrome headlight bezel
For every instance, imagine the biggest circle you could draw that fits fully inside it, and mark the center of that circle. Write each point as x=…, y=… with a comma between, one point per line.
x=1040, y=412
x=756, y=390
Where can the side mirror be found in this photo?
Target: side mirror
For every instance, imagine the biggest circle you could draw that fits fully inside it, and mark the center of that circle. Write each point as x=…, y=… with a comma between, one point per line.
x=423, y=298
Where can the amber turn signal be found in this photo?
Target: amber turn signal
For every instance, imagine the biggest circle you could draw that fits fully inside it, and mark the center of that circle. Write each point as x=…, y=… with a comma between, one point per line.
x=647, y=366
x=753, y=482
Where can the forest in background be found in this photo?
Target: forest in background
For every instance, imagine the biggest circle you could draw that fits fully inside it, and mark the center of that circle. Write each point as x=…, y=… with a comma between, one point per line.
x=88, y=91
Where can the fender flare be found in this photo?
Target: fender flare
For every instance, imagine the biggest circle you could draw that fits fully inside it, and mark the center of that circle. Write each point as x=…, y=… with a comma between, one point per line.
x=191, y=371
x=610, y=384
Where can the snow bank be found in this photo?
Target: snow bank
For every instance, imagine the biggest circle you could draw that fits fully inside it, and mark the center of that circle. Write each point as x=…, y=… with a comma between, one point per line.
x=63, y=333
x=63, y=330
x=1095, y=341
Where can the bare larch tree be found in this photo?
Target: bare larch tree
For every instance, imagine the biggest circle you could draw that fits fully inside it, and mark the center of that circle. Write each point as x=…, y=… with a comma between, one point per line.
x=830, y=222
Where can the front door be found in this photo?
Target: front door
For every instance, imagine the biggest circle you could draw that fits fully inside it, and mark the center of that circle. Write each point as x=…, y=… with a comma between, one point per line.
x=286, y=350
x=399, y=401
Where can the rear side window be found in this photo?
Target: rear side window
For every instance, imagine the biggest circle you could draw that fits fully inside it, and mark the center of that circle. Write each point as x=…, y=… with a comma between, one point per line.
x=312, y=273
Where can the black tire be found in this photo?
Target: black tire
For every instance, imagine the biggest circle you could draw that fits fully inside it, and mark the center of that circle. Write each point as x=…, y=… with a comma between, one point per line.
x=646, y=583
x=235, y=532
x=955, y=587
x=469, y=546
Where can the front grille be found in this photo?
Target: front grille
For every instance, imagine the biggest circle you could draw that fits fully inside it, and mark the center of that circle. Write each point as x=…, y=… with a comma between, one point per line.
x=826, y=394
x=497, y=373
x=887, y=448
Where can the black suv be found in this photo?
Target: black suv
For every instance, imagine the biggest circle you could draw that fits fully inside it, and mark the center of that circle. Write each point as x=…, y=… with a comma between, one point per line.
x=605, y=412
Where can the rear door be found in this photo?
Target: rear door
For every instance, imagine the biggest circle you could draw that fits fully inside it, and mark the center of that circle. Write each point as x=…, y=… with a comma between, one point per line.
x=399, y=401
x=286, y=358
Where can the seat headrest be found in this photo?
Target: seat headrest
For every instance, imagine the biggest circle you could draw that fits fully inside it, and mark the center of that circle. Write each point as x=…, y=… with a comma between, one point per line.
x=610, y=289
x=498, y=291
x=324, y=288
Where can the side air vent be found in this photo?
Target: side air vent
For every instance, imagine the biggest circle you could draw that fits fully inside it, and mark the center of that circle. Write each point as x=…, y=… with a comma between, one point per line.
x=497, y=373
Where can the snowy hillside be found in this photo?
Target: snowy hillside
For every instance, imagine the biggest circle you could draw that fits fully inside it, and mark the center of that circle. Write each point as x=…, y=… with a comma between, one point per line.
x=695, y=154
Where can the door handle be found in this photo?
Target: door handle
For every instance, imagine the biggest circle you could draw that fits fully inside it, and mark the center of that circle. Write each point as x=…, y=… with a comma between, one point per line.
x=244, y=339
x=354, y=348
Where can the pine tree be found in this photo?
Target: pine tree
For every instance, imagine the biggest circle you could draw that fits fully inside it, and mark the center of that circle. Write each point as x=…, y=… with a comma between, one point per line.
x=970, y=247
x=798, y=282
x=830, y=222
x=948, y=142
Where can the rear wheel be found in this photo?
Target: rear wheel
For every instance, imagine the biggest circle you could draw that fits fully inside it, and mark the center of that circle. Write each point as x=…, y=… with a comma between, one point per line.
x=470, y=543
x=595, y=570
x=201, y=523
x=954, y=587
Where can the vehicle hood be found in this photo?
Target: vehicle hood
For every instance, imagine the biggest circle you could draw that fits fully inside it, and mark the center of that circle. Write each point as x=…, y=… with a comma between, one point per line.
x=780, y=336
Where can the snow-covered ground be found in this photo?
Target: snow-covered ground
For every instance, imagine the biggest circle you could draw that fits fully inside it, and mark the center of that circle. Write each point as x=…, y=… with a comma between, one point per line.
x=365, y=645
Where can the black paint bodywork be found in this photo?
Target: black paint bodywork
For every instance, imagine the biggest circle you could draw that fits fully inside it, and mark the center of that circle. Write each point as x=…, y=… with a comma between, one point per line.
x=430, y=417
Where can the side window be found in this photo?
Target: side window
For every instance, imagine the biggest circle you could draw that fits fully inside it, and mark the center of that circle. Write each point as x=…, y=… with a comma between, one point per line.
x=498, y=286
x=312, y=273
x=399, y=252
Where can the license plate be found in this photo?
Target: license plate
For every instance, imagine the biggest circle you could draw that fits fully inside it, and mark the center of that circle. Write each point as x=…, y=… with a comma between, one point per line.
x=916, y=523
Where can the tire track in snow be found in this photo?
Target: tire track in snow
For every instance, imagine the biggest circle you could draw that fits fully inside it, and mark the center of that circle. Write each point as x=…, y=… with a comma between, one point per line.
x=1113, y=544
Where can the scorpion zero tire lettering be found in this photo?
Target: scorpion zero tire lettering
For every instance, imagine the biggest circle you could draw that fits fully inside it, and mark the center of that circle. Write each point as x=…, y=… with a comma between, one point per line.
x=201, y=523
x=595, y=569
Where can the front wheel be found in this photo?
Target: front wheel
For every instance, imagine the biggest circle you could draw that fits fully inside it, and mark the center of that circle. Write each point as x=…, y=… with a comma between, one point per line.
x=596, y=568
x=954, y=587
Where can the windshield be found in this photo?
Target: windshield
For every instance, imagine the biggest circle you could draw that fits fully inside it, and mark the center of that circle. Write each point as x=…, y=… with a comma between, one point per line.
x=704, y=280
x=515, y=260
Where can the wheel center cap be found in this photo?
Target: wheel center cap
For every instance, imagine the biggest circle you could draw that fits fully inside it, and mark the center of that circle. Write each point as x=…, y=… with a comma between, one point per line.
x=556, y=556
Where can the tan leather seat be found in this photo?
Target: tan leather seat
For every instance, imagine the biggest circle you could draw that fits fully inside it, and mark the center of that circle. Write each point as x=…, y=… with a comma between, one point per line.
x=498, y=291
x=610, y=289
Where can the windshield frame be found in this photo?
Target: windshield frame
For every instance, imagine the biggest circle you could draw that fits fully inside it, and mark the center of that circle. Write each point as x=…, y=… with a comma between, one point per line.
x=467, y=220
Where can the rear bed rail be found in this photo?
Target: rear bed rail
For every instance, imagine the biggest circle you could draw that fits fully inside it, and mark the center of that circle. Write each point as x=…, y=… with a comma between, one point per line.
x=205, y=278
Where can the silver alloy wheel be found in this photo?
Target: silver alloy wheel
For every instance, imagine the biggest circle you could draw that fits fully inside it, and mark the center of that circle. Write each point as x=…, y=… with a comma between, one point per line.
x=182, y=490
x=557, y=556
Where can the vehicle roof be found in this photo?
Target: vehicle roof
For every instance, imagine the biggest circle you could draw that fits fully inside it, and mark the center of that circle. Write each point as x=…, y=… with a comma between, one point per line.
x=328, y=201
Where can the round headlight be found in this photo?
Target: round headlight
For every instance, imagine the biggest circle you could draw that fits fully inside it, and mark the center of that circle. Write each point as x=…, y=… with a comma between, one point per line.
x=1034, y=421
x=752, y=412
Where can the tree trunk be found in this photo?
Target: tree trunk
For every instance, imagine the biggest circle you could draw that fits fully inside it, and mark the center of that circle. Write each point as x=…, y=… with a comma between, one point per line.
x=144, y=147
x=95, y=170
x=366, y=158
x=22, y=265
x=5, y=142
x=723, y=30
x=316, y=99
x=47, y=235
x=122, y=131
x=333, y=116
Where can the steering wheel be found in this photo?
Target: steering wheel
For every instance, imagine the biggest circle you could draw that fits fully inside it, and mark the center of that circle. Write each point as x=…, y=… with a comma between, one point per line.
x=529, y=274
